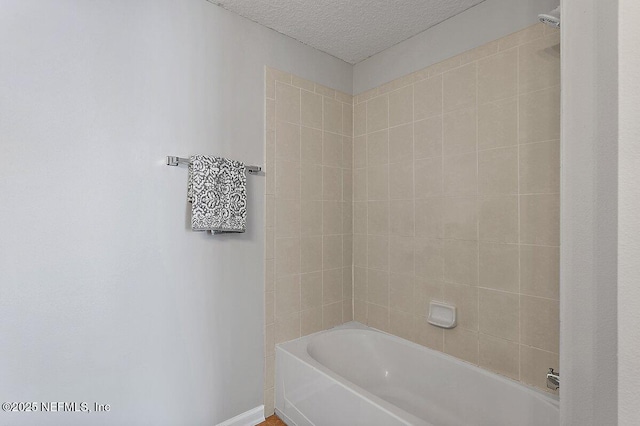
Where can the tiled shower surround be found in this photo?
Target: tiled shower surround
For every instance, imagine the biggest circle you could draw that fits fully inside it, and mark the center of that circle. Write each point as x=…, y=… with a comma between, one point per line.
x=455, y=174
x=456, y=199
x=309, y=232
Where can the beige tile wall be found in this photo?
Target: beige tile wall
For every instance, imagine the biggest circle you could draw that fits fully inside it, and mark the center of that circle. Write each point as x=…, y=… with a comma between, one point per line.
x=444, y=184
x=308, y=212
x=456, y=199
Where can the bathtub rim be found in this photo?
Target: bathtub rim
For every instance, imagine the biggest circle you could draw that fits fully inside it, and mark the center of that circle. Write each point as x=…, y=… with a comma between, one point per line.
x=298, y=349
x=299, y=352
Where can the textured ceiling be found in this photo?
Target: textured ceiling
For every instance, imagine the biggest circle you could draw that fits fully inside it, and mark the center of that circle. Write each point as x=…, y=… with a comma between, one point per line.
x=351, y=30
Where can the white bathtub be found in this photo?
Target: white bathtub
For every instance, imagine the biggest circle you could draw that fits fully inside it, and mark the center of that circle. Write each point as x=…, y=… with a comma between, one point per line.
x=355, y=375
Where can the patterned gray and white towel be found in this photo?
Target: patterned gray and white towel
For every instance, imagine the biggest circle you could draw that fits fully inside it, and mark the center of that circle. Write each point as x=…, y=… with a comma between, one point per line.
x=217, y=192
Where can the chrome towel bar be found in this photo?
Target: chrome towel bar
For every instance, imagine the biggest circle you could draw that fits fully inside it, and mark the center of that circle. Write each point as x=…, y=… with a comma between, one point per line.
x=174, y=161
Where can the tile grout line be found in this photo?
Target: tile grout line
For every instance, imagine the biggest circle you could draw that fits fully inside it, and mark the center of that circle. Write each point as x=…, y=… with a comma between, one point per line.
x=415, y=322
x=477, y=75
x=442, y=284
x=519, y=224
x=264, y=328
x=353, y=208
x=275, y=173
x=366, y=225
x=322, y=171
x=275, y=293
x=388, y=217
x=300, y=212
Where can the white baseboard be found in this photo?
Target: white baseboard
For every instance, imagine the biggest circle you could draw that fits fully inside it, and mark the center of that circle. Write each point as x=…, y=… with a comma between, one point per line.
x=285, y=418
x=248, y=418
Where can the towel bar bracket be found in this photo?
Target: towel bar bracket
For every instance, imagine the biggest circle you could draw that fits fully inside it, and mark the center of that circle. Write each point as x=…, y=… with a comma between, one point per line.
x=175, y=161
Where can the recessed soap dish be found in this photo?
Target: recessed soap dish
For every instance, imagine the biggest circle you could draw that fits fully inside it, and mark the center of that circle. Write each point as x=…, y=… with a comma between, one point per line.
x=442, y=315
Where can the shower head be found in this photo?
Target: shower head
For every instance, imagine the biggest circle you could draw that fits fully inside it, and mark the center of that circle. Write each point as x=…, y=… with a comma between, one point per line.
x=552, y=18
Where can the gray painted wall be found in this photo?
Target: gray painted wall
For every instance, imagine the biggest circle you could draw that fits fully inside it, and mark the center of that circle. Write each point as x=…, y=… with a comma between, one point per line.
x=628, y=222
x=105, y=294
x=589, y=203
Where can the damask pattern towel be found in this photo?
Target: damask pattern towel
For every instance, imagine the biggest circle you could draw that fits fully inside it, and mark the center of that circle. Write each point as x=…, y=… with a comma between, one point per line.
x=218, y=194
